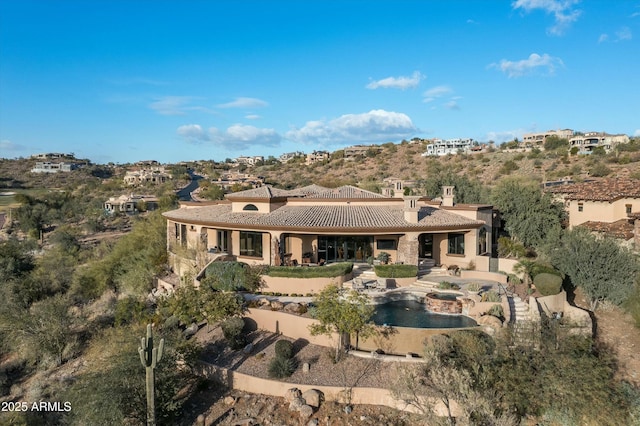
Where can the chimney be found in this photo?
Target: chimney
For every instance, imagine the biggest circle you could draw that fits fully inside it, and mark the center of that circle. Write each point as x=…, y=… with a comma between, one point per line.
x=447, y=196
x=411, y=208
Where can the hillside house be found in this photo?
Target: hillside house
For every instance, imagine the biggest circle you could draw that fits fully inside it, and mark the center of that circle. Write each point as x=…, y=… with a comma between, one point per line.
x=316, y=225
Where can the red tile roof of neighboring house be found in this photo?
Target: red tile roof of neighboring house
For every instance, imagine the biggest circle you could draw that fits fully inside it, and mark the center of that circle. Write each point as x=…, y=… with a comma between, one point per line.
x=310, y=191
x=622, y=228
x=610, y=189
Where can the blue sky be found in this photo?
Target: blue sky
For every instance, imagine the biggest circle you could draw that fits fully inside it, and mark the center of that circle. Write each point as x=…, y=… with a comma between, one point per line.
x=122, y=81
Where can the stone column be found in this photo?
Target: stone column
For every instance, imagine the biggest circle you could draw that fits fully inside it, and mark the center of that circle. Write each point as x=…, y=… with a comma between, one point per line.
x=408, y=249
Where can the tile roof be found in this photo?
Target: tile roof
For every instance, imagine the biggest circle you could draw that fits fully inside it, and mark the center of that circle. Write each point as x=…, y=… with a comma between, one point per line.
x=330, y=217
x=610, y=189
x=310, y=191
x=622, y=228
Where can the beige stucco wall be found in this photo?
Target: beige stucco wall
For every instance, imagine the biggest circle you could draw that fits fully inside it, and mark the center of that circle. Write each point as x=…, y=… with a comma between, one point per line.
x=600, y=211
x=481, y=275
x=441, y=242
x=300, y=285
x=341, y=394
x=290, y=325
x=404, y=340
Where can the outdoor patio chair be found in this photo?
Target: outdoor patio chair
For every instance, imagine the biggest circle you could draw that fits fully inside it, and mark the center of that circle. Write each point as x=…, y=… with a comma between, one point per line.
x=381, y=284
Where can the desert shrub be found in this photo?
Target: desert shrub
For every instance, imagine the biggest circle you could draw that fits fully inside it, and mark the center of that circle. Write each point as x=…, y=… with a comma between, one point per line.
x=396, y=271
x=548, y=284
x=130, y=309
x=514, y=279
x=446, y=285
x=474, y=287
x=232, y=330
x=491, y=296
x=284, y=349
x=280, y=368
x=496, y=311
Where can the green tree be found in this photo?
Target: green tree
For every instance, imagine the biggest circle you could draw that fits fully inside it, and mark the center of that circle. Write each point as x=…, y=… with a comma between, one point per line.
x=600, y=266
x=342, y=314
x=466, y=190
x=554, y=142
x=531, y=216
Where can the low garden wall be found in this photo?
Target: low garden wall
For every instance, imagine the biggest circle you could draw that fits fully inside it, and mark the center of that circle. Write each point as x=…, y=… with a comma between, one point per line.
x=480, y=275
x=302, y=286
x=350, y=395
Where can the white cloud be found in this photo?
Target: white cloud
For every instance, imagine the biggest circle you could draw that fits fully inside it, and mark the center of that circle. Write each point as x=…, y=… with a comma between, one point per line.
x=437, y=91
x=236, y=136
x=562, y=10
x=7, y=145
x=636, y=133
x=193, y=133
x=253, y=117
x=504, y=136
x=624, y=33
x=244, y=103
x=452, y=104
x=402, y=82
x=372, y=127
x=177, y=105
x=171, y=105
x=527, y=66
x=634, y=15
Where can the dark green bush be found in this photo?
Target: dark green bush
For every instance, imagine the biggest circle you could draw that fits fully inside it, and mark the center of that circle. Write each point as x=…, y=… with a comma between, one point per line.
x=446, y=285
x=284, y=349
x=396, y=271
x=280, y=368
x=548, y=284
x=328, y=271
x=232, y=330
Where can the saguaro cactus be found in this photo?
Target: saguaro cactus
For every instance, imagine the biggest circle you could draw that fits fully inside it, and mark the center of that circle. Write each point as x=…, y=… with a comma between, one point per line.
x=150, y=357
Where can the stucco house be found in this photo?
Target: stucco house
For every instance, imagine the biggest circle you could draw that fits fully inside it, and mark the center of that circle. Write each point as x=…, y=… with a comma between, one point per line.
x=314, y=225
x=610, y=206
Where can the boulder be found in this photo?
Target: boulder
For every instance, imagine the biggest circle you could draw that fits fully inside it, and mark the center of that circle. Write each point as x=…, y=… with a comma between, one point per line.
x=191, y=330
x=490, y=323
x=313, y=422
x=248, y=349
x=296, y=404
x=312, y=397
x=276, y=305
x=292, y=307
x=306, y=367
x=292, y=394
x=305, y=411
x=263, y=301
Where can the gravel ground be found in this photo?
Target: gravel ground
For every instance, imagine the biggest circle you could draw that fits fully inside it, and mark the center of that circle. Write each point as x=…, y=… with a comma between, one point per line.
x=350, y=371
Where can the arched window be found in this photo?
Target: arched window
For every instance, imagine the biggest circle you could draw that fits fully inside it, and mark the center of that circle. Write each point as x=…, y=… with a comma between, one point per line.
x=250, y=208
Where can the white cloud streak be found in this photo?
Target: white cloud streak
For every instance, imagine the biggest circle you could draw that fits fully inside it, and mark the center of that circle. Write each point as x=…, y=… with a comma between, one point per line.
x=244, y=103
x=527, y=66
x=402, y=82
x=437, y=91
x=562, y=10
x=176, y=105
x=7, y=145
x=636, y=133
x=372, y=127
x=237, y=136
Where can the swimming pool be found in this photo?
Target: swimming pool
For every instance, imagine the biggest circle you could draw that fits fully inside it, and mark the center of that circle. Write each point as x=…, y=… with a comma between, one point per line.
x=412, y=313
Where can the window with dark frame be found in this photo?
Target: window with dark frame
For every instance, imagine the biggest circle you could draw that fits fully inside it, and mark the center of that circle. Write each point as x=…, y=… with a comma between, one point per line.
x=250, y=244
x=580, y=207
x=386, y=244
x=456, y=244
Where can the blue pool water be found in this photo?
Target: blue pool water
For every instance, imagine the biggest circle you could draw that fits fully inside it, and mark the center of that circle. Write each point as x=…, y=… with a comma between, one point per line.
x=410, y=313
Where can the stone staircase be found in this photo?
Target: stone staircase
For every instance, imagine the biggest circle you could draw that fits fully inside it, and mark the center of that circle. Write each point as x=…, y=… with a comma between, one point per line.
x=525, y=328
